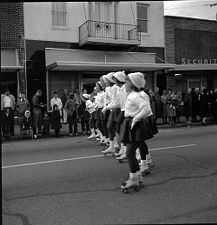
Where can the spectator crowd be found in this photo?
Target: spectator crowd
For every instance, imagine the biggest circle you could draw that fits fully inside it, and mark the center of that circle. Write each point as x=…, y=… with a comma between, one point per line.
x=70, y=108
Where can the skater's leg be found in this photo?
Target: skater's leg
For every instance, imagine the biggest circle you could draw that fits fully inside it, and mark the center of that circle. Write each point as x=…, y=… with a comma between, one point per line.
x=131, y=156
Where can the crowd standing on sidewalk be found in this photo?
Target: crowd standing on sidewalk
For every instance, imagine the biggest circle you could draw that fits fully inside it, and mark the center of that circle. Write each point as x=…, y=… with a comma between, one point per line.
x=195, y=105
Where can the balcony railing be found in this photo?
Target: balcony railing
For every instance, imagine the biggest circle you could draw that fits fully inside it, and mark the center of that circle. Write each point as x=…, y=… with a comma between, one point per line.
x=108, y=30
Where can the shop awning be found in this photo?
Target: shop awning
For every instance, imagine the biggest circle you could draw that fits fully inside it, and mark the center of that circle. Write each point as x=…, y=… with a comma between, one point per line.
x=9, y=60
x=85, y=60
x=192, y=67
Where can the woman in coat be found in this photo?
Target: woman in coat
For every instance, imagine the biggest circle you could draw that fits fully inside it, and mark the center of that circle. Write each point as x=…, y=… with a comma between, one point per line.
x=188, y=106
x=204, y=106
x=163, y=102
x=169, y=106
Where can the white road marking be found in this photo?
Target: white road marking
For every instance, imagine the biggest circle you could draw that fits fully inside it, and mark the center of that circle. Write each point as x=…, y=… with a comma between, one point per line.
x=87, y=157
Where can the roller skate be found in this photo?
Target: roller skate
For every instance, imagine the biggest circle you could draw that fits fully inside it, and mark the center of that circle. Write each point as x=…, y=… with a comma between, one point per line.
x=149, y=161
x=110, y=150
x=121, y=158
x=144, y=168
x=121, y=152
x=131, y=183
x=140, y=179
x=92, y=136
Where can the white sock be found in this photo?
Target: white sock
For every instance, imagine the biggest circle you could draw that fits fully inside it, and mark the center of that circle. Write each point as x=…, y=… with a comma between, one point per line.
x=148, y=156
x=133, y=175
x=115, y=141
x=98, y=132
x=92, y=132
x=111, y=145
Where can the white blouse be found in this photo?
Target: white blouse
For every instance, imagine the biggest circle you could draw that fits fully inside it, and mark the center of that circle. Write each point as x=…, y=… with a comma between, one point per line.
x=56, y=101
x=137, y=105
x=106, y=97
x=122, y=97
x=99, y=99
x=114, y=99
x=90, y=106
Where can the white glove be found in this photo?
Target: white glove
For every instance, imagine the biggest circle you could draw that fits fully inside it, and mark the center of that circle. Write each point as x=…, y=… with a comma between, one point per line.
x=134, y=121
x=104, y=109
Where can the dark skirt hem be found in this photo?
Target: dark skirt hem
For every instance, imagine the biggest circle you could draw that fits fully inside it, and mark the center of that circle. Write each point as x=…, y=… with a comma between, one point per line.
x=143, y=130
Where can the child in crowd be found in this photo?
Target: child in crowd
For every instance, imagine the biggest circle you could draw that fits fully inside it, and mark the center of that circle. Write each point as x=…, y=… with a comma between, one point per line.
x=46, y=124
x=6, y=123
x=56, y=119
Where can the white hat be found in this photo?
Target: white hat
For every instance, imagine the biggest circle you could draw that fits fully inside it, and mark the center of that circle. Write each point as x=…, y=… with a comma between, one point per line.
x=103, y=77
x=109, y=77
x=120, y=75
x=137, y=79
x=100, y=84
x=86, y=96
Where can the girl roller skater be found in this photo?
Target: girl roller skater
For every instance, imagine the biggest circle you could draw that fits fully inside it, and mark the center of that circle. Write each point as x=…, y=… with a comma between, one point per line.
x=99, y=103
x=114, y=111
x=90, y=106
x=120, y=79
x=135, y=128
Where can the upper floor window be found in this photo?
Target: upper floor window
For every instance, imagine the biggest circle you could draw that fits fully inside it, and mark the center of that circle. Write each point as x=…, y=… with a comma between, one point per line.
x=142, y=17
x=59, y=13
x=100, y=11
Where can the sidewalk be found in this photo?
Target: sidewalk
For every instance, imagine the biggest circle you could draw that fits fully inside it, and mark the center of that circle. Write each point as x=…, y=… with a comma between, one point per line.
x=64, y=129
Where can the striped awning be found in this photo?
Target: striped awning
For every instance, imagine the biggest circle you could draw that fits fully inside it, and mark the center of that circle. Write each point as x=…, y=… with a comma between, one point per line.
x=9, y=60
x=85, y=60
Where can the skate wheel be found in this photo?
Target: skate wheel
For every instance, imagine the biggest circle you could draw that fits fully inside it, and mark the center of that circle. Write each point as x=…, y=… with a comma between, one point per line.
x=146, y=173
x=125, y=191
x=136, y=188
x=120, y=161
x=141, y=185
x=151, y=165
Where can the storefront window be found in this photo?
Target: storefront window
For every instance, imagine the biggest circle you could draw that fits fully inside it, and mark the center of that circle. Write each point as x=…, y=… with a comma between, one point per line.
x=194, y=83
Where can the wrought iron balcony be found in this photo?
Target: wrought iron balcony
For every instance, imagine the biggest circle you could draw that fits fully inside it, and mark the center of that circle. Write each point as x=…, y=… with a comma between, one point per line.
x=109, y=33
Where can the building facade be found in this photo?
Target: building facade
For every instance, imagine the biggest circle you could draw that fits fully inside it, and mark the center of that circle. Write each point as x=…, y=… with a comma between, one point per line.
x=71, y=44
x=192, y=45
x=12, y=47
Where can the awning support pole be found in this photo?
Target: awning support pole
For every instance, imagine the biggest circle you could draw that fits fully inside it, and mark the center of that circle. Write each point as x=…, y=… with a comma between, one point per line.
x=47, y=89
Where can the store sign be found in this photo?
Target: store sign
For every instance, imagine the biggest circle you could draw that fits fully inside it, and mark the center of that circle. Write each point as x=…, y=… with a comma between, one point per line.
x=198, y=61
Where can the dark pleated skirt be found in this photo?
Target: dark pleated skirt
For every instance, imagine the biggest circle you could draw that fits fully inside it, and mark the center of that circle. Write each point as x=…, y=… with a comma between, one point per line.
x=114, y=114
x=141, y=131
x=99, y=114
x=153, y=124
x=94, y=115
x=120, y=120
x=105, y=115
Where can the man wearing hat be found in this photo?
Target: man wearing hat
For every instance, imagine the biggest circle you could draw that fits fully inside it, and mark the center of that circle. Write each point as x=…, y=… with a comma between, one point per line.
x=8, y=104
x=37, y=113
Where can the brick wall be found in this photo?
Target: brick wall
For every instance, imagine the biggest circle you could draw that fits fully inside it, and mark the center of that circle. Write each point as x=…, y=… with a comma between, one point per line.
x=12, y=33
x=172, y=23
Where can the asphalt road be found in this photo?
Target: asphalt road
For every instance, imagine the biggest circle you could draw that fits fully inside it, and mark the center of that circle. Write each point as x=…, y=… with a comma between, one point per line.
x=66, y=180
